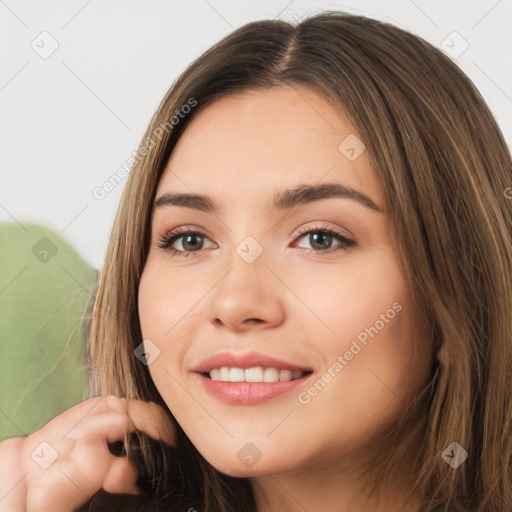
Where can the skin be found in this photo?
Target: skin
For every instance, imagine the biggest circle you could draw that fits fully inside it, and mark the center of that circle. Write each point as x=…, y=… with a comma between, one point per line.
x=241, y=150
x=62, y=465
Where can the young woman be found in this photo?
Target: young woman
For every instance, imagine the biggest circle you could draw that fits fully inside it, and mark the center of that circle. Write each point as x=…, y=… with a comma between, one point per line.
x=305, y=303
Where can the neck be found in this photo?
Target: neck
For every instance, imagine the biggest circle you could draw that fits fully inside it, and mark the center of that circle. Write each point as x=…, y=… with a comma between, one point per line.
x=332, y=486
x=326, y=492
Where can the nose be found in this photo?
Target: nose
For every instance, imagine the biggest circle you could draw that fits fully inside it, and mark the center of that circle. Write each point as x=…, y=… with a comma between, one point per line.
x=248, y=297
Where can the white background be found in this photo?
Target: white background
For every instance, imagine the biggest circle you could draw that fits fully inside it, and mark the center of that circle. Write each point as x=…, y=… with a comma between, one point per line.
x=69, y=121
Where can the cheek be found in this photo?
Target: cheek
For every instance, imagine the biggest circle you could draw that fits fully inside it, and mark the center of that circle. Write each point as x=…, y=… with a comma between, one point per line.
x=366, y=335
x=166, y=312
x=348, y=299
x=165, y=300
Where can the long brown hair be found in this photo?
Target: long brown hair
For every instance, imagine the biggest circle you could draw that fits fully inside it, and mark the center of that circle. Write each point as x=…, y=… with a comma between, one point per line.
x=443, y=166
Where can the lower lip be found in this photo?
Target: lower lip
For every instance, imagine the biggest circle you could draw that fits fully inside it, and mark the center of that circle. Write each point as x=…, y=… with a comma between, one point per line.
x=248, y=393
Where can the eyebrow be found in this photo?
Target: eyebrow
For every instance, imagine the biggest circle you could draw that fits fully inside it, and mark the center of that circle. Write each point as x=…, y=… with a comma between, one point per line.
x=302, y=194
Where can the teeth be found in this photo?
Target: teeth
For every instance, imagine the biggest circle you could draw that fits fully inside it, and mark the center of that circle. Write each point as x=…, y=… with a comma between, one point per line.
x=271, y=375
x=224, y=374
x=255, y=374
x=236, y=375
x=215, y=374
x=285, y=375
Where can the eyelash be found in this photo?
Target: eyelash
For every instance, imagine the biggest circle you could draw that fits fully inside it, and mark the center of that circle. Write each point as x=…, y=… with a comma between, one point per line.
x=170, y=237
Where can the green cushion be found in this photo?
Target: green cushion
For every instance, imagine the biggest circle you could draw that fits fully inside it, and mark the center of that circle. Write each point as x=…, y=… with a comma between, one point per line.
x=45, y=303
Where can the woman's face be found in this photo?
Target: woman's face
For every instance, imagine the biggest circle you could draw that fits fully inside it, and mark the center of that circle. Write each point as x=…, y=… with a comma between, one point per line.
x=265, y=268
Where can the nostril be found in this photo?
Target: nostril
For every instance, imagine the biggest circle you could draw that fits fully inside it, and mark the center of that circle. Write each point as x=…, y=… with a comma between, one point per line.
x=254, y=320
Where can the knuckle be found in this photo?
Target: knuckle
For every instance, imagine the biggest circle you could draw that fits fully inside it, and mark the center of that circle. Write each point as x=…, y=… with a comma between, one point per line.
x=114, y=405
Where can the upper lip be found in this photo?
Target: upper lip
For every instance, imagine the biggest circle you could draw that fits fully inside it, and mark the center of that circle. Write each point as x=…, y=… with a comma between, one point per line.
x=247, y=360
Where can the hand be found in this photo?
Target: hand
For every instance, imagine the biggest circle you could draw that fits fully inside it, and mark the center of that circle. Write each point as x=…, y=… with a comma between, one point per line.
x=62, y=465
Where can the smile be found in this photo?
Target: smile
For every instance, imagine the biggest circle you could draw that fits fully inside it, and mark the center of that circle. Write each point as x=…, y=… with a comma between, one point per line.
x=249, y=378
x=255, y=374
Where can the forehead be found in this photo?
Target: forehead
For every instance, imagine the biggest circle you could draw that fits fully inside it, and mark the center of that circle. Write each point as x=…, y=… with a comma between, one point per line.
x=255, y=143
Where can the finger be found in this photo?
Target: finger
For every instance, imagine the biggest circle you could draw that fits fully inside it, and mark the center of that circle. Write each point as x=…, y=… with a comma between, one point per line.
x=68, y=419
x=152, y=419
x=89, y=467
x=112, y=426
x=147, y=417
x=113, y=417
x=121, y=477
x=72, y=479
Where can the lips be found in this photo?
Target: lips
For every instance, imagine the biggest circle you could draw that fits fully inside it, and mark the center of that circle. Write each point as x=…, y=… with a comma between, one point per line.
x=247, y=392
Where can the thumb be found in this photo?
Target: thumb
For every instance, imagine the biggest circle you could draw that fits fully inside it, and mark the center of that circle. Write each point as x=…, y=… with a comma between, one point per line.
x=121, y=477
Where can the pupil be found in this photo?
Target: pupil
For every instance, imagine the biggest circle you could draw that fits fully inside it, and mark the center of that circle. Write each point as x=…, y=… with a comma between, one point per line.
x=186, y=242
x=326, y=237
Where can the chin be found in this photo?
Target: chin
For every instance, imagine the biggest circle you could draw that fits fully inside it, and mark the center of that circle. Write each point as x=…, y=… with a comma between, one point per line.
x=247, y=462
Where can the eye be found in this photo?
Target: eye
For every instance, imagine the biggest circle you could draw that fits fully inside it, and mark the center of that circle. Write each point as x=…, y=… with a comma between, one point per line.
x=192, y=241
x=321, y=239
